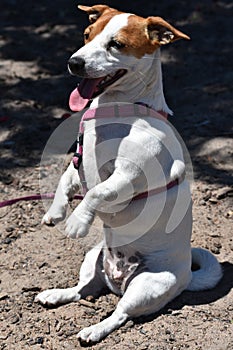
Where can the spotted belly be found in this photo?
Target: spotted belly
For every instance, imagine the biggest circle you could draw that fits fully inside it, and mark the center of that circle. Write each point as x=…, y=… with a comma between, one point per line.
x=119, y=266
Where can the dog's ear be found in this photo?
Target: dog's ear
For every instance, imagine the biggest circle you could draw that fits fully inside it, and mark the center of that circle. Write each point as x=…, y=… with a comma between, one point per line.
x=161, y=32
x=94, y=12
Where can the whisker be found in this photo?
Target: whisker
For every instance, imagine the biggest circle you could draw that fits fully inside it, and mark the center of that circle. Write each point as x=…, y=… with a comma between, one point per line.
x=141, y=75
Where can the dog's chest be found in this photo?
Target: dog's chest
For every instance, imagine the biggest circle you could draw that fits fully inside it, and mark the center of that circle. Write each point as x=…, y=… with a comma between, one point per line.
x=111, y=142
x=101, y=146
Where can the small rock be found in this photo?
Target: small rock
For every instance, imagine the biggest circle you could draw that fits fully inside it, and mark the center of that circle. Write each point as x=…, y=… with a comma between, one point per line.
x=171, y=338
x=176, y=312
x=10, y=229
x=214, y=235
x=86, y=303
x=142, y=331
x=229, y=214
x=213, y=200
x=129, y=324
x=90, y=298
x=215, y=250
x=31, y=341
x=39, y=340
x=126, y=327
x=207, y=196
x=7, y=240
x=3, y=296
x=14, y=319
x=4, y=336
x=224, y=192
x=218, y=245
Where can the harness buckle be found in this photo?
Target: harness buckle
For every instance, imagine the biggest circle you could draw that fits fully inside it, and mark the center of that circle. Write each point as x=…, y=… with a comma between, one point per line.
x=77, y=157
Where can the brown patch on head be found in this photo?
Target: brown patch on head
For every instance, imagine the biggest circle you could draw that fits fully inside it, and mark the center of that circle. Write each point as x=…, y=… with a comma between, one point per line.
x=134, y=38
x=99, y=16
x=143, y=36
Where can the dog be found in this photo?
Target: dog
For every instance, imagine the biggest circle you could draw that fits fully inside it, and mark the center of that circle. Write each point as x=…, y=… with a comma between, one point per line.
x=133, y=172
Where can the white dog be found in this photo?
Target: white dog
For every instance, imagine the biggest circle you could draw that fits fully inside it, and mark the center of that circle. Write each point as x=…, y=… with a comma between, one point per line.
x=133, y=172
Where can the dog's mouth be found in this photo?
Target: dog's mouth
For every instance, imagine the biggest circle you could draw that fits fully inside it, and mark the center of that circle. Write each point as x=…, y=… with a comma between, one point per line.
x=91, y=88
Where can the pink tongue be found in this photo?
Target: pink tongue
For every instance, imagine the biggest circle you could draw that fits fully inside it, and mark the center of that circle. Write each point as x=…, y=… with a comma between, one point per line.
x=83, y=93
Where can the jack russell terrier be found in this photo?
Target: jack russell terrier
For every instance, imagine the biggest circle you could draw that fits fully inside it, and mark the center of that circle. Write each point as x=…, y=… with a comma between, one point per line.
x=133, y=172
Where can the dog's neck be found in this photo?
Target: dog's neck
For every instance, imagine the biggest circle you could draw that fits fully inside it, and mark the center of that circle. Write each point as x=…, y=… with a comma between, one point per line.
x=142, y=83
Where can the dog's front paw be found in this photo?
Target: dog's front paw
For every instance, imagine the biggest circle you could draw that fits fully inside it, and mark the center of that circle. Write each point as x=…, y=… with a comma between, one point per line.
x=79, y=222
x=48, y=220
x=52, y=217
x=91, y=334
x=75, y=227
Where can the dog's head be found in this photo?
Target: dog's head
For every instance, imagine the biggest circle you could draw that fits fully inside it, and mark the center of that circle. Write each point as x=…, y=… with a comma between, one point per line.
x=114, y=44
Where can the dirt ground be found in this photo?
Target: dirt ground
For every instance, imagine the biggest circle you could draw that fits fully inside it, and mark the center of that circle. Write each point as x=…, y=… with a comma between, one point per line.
x=36, y=40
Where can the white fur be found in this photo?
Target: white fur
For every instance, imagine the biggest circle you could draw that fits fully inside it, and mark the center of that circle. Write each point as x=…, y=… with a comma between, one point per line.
x=211, y=271
x=161, y=230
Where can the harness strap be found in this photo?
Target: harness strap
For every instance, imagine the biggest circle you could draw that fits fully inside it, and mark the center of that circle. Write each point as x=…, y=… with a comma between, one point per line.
x=119, y=111
x=126, y=110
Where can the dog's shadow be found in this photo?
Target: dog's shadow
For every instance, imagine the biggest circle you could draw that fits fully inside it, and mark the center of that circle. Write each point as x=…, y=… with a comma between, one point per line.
x=196, y=298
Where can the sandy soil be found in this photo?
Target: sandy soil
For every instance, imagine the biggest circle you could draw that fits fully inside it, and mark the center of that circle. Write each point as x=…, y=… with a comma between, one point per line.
x=36, y=40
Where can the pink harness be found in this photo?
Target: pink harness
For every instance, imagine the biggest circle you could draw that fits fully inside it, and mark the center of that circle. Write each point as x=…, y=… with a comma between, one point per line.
x=138, y=110
x=135, y=110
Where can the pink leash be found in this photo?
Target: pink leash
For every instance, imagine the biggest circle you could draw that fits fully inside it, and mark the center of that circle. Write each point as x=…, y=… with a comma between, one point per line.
x=32, y=198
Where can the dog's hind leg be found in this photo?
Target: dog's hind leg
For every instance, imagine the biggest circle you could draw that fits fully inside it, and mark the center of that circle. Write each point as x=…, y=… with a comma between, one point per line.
x=147, y=293
x=91, y=282
x=68, y=185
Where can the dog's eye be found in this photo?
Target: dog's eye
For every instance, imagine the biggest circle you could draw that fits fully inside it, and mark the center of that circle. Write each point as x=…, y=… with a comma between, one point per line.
x=116, y=44
x=86, y=36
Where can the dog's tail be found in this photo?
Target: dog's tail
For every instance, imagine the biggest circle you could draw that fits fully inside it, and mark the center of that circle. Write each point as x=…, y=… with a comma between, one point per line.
x=209, y=270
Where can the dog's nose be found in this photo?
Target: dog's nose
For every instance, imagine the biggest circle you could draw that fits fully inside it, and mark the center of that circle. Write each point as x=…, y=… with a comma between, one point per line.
x=76, y=65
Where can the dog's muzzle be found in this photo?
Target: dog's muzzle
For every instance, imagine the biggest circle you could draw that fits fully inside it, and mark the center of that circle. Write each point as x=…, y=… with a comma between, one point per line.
x=76, y=65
